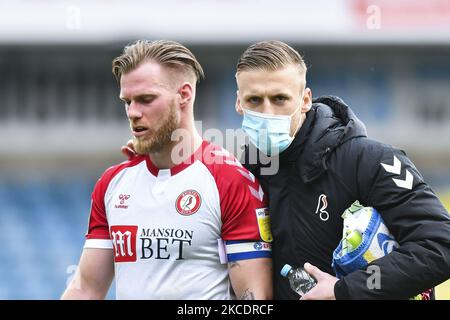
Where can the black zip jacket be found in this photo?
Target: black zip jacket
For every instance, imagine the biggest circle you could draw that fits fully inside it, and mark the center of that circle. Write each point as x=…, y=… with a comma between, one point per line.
x=330, y=164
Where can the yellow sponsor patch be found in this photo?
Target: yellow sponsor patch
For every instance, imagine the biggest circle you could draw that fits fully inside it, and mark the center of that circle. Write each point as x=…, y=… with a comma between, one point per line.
x=262, y=214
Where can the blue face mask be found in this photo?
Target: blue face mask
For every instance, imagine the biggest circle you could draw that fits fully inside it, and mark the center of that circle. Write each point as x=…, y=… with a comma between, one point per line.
x=269, y=133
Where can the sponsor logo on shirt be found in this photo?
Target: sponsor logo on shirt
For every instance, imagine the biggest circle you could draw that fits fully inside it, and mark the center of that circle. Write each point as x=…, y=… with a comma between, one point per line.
x=157, y=243
x=262, y=215
x=122, y=201
x=124, y=241
x=257, y=246
x=165, y=243
x=188, y=202
x=261, y=245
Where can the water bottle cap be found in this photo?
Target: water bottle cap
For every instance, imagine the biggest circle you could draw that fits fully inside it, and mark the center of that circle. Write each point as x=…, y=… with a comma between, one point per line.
x=354, y=238
x=285, y=270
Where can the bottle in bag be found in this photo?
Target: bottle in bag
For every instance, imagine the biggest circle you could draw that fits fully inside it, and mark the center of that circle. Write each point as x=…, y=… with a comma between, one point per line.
x=300, y=280
x=351, y=241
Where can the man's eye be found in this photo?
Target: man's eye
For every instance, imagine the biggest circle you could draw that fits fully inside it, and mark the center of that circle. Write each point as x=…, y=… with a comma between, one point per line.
x=280, y=98
x=147, y=100
x=254, y=100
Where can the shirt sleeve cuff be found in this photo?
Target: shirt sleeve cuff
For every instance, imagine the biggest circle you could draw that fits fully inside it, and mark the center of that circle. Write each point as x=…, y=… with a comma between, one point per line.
x=341, y=290
x=243, y=250
x=98, y=244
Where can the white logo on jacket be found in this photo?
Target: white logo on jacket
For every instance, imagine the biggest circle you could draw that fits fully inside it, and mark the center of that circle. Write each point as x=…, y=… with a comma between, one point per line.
x=396, y=168
x=321, y=206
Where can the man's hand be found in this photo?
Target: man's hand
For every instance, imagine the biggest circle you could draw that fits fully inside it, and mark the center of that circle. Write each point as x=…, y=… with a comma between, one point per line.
x=324, y=289
x=128, y=150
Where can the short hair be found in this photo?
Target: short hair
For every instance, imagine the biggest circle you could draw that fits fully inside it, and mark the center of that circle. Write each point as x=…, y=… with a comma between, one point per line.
x=167, y=53
x=270, y=56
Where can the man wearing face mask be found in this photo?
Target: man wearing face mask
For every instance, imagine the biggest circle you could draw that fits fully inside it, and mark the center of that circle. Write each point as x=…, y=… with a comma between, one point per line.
x=326, y=162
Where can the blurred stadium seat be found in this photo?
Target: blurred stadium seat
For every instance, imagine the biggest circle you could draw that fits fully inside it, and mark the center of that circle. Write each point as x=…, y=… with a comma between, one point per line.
x=43, y=224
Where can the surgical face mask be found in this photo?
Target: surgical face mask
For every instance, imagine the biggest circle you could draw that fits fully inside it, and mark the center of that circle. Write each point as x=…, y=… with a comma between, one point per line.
x=269, y=133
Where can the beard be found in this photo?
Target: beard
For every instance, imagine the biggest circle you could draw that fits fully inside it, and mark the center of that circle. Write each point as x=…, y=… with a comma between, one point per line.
x=157, y=139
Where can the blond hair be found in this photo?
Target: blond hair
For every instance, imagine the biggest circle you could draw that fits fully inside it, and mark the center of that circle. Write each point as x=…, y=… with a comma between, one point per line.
x=270, y=56
x=167, y=53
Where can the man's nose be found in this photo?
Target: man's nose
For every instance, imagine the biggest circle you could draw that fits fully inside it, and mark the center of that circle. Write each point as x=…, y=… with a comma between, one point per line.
x=266, y=107
x=134, y=110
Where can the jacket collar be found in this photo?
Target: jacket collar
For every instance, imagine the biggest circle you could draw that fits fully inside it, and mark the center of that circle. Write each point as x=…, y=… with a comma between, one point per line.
x=334, y=124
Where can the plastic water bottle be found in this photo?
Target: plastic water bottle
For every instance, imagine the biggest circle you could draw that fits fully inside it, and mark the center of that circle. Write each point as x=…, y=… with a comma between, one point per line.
x=352, y=241
x=300, y=280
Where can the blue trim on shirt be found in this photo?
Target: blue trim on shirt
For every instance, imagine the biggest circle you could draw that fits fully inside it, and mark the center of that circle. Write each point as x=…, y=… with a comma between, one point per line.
x=240, y=241
x=248, y=255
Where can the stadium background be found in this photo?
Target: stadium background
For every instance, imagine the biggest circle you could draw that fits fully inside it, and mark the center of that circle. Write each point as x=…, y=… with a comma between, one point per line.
x=62, y=124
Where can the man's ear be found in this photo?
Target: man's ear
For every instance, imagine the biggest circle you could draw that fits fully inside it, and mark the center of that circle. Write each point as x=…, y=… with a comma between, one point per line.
x=238, y=104
x=307, y=100
x=186, y=93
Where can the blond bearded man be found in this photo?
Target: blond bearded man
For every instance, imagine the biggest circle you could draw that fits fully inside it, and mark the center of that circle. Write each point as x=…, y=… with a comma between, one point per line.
x=183, y=219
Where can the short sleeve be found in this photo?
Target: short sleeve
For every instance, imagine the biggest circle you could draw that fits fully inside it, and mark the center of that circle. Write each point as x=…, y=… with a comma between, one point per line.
x=245, y=215
x=98, y=229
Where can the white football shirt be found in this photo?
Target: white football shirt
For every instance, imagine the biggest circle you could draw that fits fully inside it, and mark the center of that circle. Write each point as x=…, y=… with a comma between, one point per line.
x=169, y=228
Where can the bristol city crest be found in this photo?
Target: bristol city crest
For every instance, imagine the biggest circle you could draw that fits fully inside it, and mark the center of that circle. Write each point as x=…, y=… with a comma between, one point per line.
x=188, y=202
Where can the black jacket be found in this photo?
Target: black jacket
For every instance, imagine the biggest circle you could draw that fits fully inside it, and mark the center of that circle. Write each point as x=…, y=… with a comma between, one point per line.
x=331, y=156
